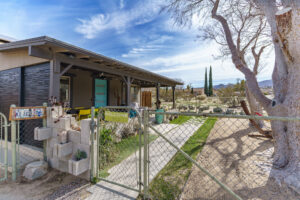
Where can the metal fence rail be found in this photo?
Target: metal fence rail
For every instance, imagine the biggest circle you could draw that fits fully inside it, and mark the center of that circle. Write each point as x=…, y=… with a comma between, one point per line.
x=3, y=148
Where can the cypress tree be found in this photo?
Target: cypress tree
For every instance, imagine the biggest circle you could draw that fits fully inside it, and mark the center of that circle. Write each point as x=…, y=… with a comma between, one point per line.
x=192, y=91
x=205, y=83
x=210, y=87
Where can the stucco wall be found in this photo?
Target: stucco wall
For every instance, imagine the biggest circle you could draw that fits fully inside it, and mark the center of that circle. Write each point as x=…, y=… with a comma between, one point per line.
x=115, y=92
x=82, y=88
x=17, y=58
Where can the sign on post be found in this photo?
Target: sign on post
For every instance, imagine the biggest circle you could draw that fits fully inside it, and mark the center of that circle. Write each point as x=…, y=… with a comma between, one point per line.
x=121, y=117
x=26, y=113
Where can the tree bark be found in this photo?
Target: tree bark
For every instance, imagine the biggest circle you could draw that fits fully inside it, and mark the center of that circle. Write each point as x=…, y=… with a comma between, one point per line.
x=254, y=106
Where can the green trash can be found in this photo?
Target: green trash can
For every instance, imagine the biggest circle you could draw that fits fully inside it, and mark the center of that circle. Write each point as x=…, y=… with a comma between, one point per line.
x=159, y=118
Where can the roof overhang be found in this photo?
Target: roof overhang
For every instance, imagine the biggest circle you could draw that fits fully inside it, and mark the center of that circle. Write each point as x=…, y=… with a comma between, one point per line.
x=50, y=48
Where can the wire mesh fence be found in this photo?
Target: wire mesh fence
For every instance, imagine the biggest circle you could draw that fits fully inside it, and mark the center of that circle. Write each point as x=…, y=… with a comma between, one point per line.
x=211, y=157
x=28, y=149
x=120, y=142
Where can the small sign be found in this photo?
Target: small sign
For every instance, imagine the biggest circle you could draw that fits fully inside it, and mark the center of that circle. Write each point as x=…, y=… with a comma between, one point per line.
x=121, y=117
x=26, y=113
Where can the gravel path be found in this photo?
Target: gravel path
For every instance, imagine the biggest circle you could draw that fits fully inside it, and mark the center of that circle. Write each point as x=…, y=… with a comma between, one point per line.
x=243, y=163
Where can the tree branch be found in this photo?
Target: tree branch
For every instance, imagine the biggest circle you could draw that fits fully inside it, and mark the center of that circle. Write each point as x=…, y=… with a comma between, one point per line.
x=249, y=75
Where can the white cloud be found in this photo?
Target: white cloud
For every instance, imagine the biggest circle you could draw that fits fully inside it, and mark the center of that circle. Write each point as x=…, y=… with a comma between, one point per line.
x=120, y=20
x=122, y=4
x=189, y=64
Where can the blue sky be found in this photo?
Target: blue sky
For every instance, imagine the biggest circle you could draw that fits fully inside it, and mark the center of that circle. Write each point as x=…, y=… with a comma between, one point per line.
x=132, y=31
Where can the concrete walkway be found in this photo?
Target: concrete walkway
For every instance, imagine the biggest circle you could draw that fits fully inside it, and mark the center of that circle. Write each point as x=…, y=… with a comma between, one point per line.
x=27, y=154
x=126, y=172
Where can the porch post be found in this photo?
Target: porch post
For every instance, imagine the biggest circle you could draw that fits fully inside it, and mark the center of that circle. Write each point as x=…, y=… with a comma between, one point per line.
x=128, y=93
x=54, y=85
x=157, y=96
x=173, y=97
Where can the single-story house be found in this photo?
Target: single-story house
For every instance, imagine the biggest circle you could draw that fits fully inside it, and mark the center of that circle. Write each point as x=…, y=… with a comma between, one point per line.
x=32, y=71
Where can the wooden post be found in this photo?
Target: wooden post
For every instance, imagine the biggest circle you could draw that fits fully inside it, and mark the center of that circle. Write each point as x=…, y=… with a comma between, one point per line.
x=173, y=97
x=128, y=93
x=157, y=96
x=54, y=86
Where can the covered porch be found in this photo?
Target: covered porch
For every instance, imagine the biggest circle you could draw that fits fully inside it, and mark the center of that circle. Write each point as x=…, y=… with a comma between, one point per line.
x=80, y=78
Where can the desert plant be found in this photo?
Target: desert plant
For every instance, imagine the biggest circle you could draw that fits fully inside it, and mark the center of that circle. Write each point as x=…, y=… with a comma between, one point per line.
x=229, y=112
x=217, y=110
x=201, y=97
x=80, y=155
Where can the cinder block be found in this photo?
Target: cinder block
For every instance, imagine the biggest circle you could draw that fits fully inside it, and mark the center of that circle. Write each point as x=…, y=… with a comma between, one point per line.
x=64, y=123
x=49, y=152
x=42, y=133
x=81, y=147
x=63, y=165
x=54, y=163
x=56, y=111
x=74, y=136
x=78, y=167
x=64, y=149
x=55, y=150
x=74, y=122
x=62, y=137
x=51, y=142
x=85, y=131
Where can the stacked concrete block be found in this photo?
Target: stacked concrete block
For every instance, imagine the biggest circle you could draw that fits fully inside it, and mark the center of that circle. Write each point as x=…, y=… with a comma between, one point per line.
x=42, y=133
x=64, y=138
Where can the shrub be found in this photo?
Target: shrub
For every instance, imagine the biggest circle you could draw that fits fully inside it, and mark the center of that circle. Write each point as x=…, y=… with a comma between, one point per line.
x=242, y=113
x=80, y=155
x=229, y=112
x=201, y=97
x=217, y=110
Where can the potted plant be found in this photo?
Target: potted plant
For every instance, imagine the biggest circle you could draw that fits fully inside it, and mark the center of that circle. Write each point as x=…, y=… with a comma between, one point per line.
x=79, y=164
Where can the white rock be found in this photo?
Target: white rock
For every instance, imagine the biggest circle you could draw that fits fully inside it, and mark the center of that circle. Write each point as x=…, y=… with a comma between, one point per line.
x=35, y=170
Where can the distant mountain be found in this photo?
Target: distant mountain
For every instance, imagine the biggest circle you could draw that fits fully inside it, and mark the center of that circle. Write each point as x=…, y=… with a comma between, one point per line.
x=265, y=84
x=222, y=86
x=262, y=84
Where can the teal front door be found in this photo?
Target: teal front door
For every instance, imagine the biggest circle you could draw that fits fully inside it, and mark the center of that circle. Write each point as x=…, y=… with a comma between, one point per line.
x=100, y=93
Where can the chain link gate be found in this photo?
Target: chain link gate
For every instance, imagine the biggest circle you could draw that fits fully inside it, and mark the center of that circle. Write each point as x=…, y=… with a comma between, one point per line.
x=119, y=139
x=3, y=147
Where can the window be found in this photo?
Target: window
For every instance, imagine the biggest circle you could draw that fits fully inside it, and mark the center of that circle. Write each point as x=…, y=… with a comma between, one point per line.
x=65, y=90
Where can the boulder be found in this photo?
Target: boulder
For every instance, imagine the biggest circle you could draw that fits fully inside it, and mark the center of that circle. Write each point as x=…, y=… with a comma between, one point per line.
x=35, y=170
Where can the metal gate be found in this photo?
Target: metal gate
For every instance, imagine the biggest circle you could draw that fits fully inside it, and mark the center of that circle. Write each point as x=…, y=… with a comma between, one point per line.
x=120, y=140
x=3, y=148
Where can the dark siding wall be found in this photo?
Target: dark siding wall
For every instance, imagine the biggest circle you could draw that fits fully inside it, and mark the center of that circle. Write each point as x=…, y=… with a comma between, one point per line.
x=36, y=84
x=27, y=86
x=35, y=91
x=9, y=89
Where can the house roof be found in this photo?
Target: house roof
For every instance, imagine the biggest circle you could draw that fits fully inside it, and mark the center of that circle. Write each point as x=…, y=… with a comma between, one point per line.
x=52, y=45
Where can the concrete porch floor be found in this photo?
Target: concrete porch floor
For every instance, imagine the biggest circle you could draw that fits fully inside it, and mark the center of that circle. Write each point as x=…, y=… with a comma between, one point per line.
x=27, y=154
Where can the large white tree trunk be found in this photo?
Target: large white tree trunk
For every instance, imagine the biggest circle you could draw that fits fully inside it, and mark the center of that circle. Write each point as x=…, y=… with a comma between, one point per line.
x=287, y=96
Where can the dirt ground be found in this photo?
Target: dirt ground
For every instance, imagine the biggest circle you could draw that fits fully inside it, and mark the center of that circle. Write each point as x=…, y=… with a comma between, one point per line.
x=54, y=185
x=241, y=162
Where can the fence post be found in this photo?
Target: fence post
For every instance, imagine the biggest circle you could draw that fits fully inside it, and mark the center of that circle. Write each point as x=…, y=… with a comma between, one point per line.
x=92, y=142
x=13, y=148
x=45, y=141
x=140, y=152
x=146, y=130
